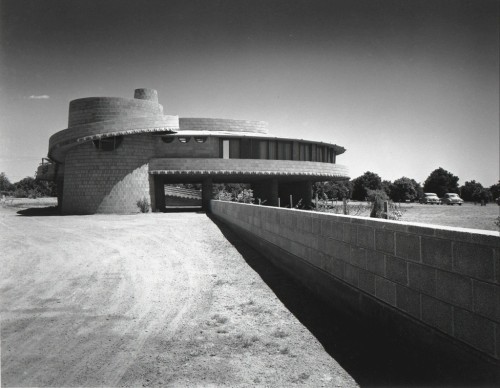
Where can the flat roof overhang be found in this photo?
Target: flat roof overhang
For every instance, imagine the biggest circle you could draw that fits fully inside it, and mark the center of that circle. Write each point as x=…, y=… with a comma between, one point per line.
x=244, y=170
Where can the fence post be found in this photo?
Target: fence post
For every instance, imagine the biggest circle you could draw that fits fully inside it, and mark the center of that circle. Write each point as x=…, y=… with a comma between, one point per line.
x=385, y=214
x=279, y=202
x=291, y=202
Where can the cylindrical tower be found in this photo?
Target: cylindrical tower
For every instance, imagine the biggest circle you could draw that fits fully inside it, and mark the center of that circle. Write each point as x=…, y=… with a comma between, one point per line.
x=146, y=94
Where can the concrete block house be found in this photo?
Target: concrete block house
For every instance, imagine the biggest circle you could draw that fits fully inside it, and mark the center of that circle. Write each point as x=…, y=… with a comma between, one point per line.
x=117, y=151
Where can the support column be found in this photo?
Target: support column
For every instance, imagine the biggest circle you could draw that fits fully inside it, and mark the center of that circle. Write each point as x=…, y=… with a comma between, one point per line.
x=307, y=195
x=273, y=191
x=206, y=194
x=158, y=204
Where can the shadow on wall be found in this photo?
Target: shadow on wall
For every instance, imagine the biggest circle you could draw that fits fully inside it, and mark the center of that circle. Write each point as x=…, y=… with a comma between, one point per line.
x=372, y=356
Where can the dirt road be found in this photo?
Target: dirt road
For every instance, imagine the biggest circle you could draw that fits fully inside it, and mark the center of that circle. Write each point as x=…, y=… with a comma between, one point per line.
x=144, y=300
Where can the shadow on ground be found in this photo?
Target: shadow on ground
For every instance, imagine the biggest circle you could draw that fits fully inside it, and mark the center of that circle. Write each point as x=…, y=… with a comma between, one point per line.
x=39, y=211
x=370, y=355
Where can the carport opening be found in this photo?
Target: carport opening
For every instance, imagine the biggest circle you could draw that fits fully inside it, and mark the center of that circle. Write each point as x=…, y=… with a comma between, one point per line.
x=182, y=197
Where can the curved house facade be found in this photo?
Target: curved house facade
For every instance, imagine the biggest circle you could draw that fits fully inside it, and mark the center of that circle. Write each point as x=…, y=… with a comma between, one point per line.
x=116, y=151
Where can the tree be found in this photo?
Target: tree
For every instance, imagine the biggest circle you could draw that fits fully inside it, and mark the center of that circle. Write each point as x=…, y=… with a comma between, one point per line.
x=5, y=185
x=333, y=189
x=495, y=192
x=441, y=182
x=32, y=188
x=469, y=188
x=363, y=183
x=404, y=189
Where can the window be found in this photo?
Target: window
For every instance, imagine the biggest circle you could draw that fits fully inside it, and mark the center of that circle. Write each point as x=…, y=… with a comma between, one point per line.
x=167, y=139
x=108, y=143
x=225, y=149
x=183, y=139
x=200, y=139
x=230, y=149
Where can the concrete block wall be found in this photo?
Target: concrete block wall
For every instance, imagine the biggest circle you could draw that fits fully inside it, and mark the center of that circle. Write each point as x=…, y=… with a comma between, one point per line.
x=97, y=181
x=446, y=279
x=207, y=124
x=94, y=109
x=249, y=166
x=208, y=149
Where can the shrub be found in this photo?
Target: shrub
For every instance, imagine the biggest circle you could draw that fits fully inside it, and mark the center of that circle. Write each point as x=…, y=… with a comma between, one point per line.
x=143, y=205
x=245, y=196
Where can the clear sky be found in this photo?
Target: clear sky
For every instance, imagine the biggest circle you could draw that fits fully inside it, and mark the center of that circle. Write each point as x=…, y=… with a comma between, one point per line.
x=406, y=86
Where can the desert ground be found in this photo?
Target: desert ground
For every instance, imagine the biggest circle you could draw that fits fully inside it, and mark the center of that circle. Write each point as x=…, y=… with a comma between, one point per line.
x=144, y=300
x=179, y=300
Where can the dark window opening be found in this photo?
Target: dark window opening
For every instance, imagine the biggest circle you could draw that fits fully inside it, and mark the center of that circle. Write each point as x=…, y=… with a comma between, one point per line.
x=167, y=139
x=108, y=143
x=201, y=139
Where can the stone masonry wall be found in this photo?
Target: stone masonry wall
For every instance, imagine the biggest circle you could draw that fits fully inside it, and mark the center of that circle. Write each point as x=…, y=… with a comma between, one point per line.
x=97, y=181
x=447, y=279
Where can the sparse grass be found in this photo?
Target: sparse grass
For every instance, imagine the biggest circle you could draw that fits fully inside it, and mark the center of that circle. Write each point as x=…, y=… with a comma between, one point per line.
x=301, y=378
x=279, y=333
x=466, y=216
x=218, y=319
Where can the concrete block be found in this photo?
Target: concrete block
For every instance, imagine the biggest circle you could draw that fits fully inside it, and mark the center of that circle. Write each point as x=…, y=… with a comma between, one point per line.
x=350, y=233
x=408, y=246
x=375, y=262
x=438, y=314
x=384, y=241
x=437, y=252
x=422, y=278
x=366, y=237
x=474, y=260
x=367, y=281
x=326, y=227
x=316, y=226
x=475, y=330
x=455, y=289
x=396, y=270
x=358, y=257
x=408, y=300
x=351, y=274
x=336, y=229
x=339, y=250
x=487, y=300
x=385, y=290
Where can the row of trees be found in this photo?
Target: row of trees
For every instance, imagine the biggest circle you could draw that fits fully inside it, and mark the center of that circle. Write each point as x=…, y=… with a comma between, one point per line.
x=27, y=187
x=405, y=189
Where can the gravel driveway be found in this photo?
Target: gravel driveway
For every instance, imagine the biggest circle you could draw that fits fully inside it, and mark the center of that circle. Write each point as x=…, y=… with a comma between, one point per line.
x=144, y=300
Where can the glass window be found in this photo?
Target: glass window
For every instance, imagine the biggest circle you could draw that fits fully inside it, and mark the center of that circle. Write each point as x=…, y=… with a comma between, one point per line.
x=108, y=143
x=234, y=148
x=272, y=150
x=263, y=149
x=225, y=149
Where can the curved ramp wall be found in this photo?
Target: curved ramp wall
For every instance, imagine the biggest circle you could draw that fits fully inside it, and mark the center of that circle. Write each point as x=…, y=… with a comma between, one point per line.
x=95, y=109
x=97, y=181
x=227, y=125
x=437, y=284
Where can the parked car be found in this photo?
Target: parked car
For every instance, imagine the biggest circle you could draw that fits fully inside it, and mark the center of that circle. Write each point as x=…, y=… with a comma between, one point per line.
x=452, y=199
x=431, y=198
